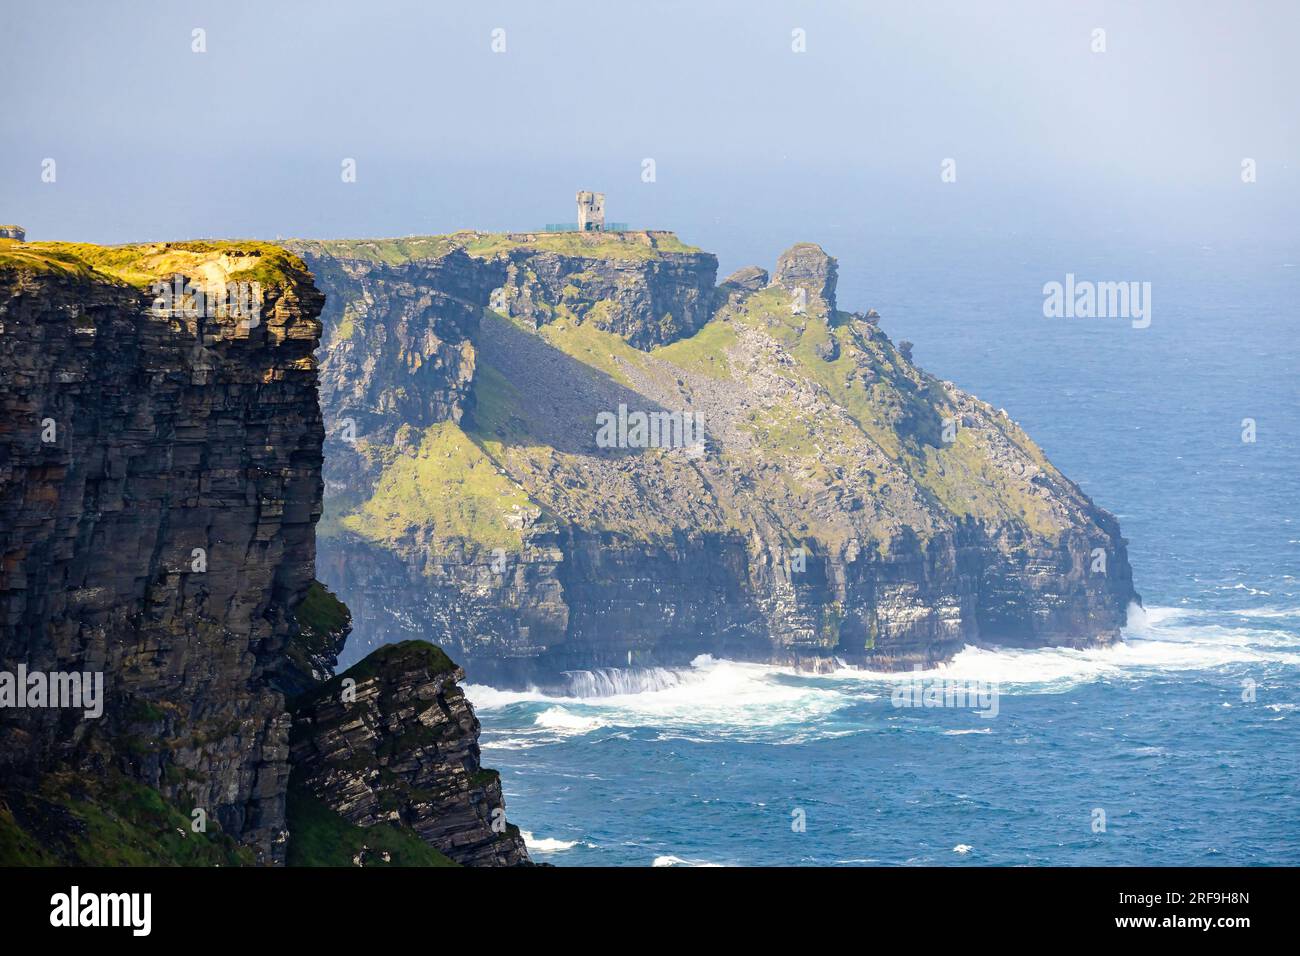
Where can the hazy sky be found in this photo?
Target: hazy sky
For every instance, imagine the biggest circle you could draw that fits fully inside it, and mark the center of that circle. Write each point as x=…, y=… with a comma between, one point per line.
x=755, y=145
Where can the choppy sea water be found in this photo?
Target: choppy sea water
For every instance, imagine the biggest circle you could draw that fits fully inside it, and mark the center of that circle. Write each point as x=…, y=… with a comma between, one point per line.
x=711, y=765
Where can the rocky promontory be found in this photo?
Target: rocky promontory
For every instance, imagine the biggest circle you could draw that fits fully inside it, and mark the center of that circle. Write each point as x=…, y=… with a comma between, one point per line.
x=841, y=503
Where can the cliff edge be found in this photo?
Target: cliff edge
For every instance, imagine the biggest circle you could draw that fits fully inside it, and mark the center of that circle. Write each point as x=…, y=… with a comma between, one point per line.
x=160, y=482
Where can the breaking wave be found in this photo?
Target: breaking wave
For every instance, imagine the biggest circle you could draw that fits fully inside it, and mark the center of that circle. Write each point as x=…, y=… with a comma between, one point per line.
x=557, y=718
x=716, y=700
x=615, y=681
x=678, y=861
x=546, y=844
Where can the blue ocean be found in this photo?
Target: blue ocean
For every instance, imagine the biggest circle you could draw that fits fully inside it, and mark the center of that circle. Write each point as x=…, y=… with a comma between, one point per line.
x=1180, y=746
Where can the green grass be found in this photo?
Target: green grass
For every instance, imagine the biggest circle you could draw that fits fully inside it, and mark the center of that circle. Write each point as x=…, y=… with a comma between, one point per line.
x=109, y=820
x=591, y=345
x=963, y=479
x=485, y=245
x=347, y=326
x=497, y=407
x=704, y=352
x=890, y=415
x=40, y=258
x=142, y=264
x=448, y=493
x=320, y=837
x=334, y=509
x=320, y=612
x=592, y=245
x=391, y=252
x=18, y=847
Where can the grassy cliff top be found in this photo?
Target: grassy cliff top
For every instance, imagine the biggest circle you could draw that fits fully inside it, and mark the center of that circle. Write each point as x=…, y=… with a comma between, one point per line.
x=390, y=659
x=633, y=245
x=142, y=264
x=449, y=480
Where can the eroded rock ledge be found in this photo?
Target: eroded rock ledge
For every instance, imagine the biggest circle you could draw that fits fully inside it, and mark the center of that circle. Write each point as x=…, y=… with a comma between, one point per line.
x=393, y=741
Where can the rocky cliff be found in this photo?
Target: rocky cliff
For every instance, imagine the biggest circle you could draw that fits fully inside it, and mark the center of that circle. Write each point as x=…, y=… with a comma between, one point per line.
x=160, y=482
x=393, y=740
x=840, y=502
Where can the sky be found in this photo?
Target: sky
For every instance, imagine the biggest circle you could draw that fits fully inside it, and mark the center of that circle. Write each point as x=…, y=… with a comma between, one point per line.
x=755, y=144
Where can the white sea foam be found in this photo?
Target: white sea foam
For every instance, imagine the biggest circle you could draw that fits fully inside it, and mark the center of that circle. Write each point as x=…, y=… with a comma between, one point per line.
x=1155, y=639
x=754, y=697
x=489, y=698
x=713, y=700
x=546, y=844
x=1268, y=613
x=514, y=743
x=1239, y=586
x=678, y=861
x=619, y=681
x=557, y=718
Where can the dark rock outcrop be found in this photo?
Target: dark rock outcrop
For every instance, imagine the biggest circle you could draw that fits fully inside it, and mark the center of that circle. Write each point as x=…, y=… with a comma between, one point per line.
x=394, y=741
x=324, y=623
x=400, y=345
x=646, y=301
x=748, y=279
x=806, y=266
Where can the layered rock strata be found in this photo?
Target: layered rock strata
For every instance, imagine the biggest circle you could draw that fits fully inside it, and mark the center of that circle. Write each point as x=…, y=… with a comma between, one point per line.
x=394, y=741
x=843, y=504
x=160, y=481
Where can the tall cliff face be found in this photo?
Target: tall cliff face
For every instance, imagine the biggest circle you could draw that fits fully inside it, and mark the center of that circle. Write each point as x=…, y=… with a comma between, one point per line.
x=841, y=504
x=159, y=483
x=160, y=480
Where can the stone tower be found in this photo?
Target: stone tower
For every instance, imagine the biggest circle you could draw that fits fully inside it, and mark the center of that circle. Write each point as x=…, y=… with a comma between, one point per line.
x=591, y=212
x=19, y=233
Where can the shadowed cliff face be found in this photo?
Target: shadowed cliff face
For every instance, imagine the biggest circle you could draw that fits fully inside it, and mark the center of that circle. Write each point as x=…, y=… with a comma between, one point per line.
x=843, y=503
x=160, y=481
x=393, y=740
x=159, y=485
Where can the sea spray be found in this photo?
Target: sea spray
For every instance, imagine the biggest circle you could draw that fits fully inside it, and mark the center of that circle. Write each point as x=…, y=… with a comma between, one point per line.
x=613, y=681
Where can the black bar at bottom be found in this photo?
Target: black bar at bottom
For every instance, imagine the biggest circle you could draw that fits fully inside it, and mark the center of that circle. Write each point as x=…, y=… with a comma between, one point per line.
x=531, y=906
